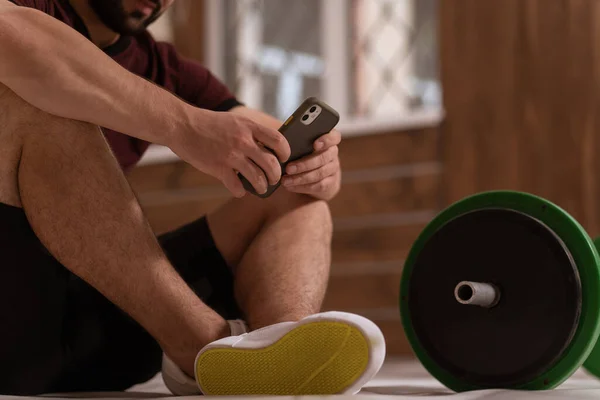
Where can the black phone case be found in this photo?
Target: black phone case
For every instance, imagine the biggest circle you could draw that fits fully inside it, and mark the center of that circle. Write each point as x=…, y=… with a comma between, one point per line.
x=301, y=137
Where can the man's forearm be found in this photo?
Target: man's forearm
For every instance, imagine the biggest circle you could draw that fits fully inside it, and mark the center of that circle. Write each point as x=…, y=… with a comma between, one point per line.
x=59, y=71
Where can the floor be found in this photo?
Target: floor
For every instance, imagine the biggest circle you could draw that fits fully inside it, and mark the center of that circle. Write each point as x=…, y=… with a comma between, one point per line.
x=398, y=379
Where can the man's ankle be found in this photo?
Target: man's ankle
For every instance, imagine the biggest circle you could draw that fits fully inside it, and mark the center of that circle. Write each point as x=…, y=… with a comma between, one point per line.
x=185, y=357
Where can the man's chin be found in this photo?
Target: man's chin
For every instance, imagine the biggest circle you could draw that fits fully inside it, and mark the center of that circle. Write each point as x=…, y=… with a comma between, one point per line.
x=135, y=30
x=134, y=25
x=131, y=29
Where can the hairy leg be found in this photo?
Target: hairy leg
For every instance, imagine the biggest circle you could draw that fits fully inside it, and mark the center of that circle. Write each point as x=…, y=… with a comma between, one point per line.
x=82, y=209
x=280, y=250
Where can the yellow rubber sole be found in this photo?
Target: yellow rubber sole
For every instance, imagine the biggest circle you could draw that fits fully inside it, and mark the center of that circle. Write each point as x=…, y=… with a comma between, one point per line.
x=322, y=357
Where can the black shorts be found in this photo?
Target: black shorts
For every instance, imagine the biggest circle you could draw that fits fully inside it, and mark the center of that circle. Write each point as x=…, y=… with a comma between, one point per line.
x=58, y=334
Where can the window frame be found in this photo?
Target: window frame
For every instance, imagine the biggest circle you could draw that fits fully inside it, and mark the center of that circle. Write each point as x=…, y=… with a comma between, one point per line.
x=336, y=88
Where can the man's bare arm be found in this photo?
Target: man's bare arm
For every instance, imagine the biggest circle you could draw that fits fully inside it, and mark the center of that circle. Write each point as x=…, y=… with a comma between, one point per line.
x=56, y=69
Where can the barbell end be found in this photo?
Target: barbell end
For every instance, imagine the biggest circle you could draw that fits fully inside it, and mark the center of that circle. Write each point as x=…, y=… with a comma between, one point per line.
x=477, y=294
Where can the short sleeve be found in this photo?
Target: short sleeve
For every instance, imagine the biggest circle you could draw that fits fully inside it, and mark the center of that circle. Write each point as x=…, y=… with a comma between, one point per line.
x=196, y=84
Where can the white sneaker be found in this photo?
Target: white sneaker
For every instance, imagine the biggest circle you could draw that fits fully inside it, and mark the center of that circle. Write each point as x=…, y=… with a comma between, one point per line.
x=327, y=353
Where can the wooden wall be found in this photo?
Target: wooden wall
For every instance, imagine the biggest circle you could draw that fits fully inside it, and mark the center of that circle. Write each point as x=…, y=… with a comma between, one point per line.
x=390, y=191
x=188, y=28
x=521, y=82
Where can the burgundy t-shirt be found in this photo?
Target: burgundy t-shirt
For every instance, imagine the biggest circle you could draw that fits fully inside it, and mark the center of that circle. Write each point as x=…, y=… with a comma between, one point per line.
x=156, y=61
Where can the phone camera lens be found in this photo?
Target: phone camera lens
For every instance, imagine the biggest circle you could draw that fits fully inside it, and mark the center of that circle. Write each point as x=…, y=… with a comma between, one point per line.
x=305, y=118
x=313, y=109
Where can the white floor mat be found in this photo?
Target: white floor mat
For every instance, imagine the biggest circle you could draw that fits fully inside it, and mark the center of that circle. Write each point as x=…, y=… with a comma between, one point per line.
x=399, y=379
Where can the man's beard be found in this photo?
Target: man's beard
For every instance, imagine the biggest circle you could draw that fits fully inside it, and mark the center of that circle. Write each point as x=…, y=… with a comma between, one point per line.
x=112, y=14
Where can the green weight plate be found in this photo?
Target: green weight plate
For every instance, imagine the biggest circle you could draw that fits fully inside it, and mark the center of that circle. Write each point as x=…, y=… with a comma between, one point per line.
x=582, y=253
x=592, y=364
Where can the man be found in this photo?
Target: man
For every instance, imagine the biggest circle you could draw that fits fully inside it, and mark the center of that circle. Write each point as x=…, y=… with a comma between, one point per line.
x=90, y=300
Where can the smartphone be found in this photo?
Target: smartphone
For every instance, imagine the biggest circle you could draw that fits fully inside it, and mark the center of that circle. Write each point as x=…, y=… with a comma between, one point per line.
x=313, y=119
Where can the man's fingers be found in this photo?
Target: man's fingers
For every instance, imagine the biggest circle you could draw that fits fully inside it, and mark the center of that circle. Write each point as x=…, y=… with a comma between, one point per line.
x=253, y=174
x=312, y=161
x=233, y=184
x=313, y=188
x=326, y=141
x=313, y=176
x=273, y=140
x=267, y=162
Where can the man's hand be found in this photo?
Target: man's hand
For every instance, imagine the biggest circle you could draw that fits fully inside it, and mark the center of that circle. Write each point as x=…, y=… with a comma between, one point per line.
x=223, y=144
x=319, y=174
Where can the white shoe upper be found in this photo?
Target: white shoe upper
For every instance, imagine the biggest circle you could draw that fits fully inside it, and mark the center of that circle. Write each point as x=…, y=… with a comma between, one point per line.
x=181, y=384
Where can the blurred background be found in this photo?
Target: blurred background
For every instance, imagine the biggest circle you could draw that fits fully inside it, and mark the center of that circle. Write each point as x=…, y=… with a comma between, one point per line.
x=439, y=100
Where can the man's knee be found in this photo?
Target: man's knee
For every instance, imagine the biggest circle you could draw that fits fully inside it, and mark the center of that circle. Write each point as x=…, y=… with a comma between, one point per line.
x=21, y=120
x=35, y=143
x=320, y=211
x=19, y=116
x=312, y=211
